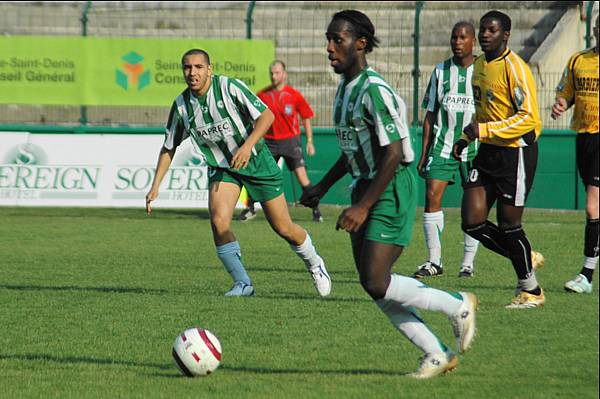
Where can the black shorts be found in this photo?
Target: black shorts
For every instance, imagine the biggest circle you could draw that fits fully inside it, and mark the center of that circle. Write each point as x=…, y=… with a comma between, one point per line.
x=587, y=158
x=289, y=149
x=509, y=171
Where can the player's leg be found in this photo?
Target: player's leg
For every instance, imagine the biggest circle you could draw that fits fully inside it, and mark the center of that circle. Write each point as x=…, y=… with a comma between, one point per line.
x=529, y=294
x=293, y=155
x=377, y=246
x=582, y=283
x=399, y=297
x=303, y=180
x=470, y=244
x=249, y=212
x=433, y=226
x=513, y=186
x=277, y=213
x=478, y=198
x=587, y=164
x=222, y=198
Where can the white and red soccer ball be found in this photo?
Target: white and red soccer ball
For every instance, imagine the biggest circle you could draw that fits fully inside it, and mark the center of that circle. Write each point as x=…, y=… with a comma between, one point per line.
x=197, y=352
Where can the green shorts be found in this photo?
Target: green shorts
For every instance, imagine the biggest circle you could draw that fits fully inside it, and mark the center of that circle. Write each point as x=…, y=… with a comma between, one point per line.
x=391, y=219
x=262, y=177
x=444, y=168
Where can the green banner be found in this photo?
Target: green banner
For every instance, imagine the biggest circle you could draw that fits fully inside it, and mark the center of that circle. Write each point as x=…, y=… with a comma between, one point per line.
x=116, y=71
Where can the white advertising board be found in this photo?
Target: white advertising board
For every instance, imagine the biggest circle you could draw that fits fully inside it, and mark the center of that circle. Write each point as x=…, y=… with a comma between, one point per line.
x=96, y=170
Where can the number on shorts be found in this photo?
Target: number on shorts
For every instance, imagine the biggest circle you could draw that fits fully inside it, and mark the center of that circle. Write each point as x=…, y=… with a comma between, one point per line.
x=429, y=161
x=473, y=175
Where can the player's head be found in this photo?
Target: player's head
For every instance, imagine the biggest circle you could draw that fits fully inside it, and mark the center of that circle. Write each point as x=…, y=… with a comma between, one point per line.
x=278, y=73
x=350, y=36
x=462, y=39
x=195, y=51
x=197, y=71
x=494, y=31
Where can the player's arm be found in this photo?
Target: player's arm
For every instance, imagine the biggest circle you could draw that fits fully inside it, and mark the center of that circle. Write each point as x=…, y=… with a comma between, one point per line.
x=241, y=158
x=565, y=92
x=387, y=114
x=260, y=113
x=165, y=157
x=427, y=135
x=306, y=112
x=522, y=95
x=352, y=218
x=311, y=196
x=310, y=147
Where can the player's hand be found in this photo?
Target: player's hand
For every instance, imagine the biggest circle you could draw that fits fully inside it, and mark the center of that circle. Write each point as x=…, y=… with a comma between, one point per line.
x=458, y=148
x=151, y=196
x=241, y=158
x=352, y=218
x=472, y=131
x=311, y=196
x=310, y=148
x=421, y=166
x=559, y=107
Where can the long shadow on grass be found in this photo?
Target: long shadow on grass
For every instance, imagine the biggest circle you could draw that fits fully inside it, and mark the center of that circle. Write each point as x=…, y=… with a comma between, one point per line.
x=263, y=370
x=85, y=360
x=109, y=290
x=195, y=213
x=315, y=297
x=300, y=270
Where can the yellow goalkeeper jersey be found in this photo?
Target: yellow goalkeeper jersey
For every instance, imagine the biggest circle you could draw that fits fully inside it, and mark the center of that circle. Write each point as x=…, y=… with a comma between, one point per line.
x=579, y=86
x=506, y=105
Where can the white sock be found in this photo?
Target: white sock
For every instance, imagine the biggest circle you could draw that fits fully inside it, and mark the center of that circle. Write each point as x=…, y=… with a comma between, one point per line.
x=471, y=245
x=409, y=292
x=530, y=283
x=307, y=252
x=433, y=225
x=411, y=326
x=590, y=263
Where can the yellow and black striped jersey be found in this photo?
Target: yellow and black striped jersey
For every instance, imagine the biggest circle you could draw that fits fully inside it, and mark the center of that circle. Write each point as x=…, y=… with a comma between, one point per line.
x=579, y=86
x=506, y=105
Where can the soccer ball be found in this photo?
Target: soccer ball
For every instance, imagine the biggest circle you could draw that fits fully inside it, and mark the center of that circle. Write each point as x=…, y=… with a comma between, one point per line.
x=197, y=352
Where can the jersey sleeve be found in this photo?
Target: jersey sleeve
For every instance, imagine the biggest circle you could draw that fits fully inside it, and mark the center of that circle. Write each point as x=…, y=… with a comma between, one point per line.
x=566, y=87
x=302, y=106
x=388, y=112
x=430, y=97
x=244, y=98
x=175, y=131
x=522, y=95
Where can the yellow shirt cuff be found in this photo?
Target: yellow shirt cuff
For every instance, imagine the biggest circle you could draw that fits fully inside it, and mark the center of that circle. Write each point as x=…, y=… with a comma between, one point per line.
x=483, y=130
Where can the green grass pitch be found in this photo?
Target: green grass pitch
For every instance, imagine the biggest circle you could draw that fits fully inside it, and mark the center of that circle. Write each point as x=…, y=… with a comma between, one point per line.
x=91, y=301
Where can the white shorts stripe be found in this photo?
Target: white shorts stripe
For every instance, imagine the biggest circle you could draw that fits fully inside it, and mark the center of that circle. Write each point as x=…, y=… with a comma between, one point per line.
x=521, y=176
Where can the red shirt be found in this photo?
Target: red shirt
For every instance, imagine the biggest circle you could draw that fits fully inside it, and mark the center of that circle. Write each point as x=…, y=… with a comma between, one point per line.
x=285, y=105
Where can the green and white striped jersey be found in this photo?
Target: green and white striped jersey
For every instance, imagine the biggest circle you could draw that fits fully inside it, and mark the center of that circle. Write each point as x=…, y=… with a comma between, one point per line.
x=369, y=115
x=219, y=123
x=450, y=95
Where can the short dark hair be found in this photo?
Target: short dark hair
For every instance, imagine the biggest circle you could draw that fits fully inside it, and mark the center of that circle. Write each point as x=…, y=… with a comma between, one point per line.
x=277, y=62
x=196, y=51
x=361, y=26
x=504, y=19
x=465, y=24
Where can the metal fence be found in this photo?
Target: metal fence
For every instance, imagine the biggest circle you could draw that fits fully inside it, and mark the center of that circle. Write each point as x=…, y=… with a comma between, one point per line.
x=297, y=29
